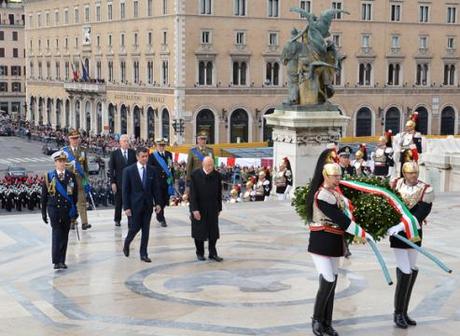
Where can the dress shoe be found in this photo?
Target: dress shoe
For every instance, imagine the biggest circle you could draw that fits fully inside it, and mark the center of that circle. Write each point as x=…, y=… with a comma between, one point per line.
x=117, y=223
x=85, y=226
x=64, y=266
x=200, y=257
x=72, y=226
x=163, y=224
x=126, y=251
x=146, y=259
x=216, y=258
x=57, y=266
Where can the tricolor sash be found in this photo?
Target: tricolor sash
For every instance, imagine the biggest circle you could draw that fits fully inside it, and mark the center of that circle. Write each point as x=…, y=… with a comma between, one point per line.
x=163, y=164
x=198, y=154
x=61, y=190
x=79, y=168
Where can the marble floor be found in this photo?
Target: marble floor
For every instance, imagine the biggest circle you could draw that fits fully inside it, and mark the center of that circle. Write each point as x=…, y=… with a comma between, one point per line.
x=265, y=286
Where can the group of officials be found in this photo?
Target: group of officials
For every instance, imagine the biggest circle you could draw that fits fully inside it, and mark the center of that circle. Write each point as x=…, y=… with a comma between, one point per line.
x=142, y=182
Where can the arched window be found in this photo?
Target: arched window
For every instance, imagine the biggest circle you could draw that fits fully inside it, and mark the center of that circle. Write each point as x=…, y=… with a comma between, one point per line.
x=392, y=120
x=165, y=124
x=268, y=129
x=137, y=122
x=422, y=123
x=99, y=118
x=41, y=101
x=239, y=126
x=364, y=122
x=272, y=73
x=205, y=122
x=205, y=72
x=48, y=111
x=58, y=113
x=77, y=115
x=448, y=121
x=88, y=116
x=239, y=73
x=150, y=123
x=123, y=120
x=67, y=113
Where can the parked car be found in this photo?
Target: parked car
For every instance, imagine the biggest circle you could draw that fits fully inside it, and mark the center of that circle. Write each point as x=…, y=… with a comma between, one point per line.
x=50, y=147
x=16, y=171
x=93, y=166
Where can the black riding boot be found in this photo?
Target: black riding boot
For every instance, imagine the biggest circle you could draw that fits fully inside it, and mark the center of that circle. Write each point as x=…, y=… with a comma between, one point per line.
x=400, y=298
x=327, y=323
x=409, y=292
x=322, y=295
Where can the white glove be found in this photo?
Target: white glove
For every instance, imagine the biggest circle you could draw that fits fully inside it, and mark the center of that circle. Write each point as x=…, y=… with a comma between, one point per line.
x=395, y=229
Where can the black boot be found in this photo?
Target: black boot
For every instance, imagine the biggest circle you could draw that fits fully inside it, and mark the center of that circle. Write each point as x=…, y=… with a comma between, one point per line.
x=322, y=295
x=327, y=323
x=400, y=298
x=413, y=277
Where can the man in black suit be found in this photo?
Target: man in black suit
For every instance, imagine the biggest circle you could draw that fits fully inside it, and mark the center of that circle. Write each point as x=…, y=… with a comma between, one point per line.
x=162, y=160
x=119, y=159
x=141, y=192
x=59, y=199
x=205, y=208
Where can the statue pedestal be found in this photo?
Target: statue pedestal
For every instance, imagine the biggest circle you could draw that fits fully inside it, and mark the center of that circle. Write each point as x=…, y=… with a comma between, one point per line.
x=301, y=133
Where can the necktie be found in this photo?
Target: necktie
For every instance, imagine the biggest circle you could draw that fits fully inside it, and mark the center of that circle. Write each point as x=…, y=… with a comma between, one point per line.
x=144, y=177
x=61, y=176
x=125, y=155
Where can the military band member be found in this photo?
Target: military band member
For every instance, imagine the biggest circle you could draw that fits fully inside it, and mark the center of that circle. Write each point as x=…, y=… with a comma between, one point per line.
x=328, y=224
x=419, y=197
x=408, y=144
x=59, y=195
x=197, y=154
x=162, y=160
x=383, y=156
x=344, y=161
x=77, y=163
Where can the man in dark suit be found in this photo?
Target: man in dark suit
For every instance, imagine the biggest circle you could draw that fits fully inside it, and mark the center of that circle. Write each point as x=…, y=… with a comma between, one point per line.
x=162, y=160
x=141, y=193
x=119, y=160
x=205, y=207
x=59, y=199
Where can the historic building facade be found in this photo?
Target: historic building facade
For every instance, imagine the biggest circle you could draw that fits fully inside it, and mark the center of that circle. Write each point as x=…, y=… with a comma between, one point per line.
x=12, y=59
x=143, y=66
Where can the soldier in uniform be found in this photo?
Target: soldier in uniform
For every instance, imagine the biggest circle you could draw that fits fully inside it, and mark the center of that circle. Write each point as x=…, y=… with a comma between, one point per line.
x=59, y=195
x=344, y=161
x=328, y=224
x=77, y=163
x=408, y=144
x=360, y=163
x=419, y=197
x=162, y=160
x=383, y=156
x=197, y=154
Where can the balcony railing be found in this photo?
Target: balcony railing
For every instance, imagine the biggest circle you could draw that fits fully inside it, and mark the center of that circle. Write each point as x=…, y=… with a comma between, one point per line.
x=85, y=87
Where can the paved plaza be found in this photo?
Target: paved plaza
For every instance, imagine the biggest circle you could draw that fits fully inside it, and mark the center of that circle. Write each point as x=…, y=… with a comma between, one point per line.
x=265, y=286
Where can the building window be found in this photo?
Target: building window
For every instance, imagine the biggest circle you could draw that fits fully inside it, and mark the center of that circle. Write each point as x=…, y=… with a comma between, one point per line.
x=98, y=69
x=165, y=38
x=48, y=70
x=2, y=35
x=206, y=37
x=58, y=70
x=205, y=7
x=16, y=70
x=423, y=42
x=451, y=14
x=110, y=70
x=31, y=21
x=337, y=5
x=149, y=7
x=240, y=38
x=40, y=73
x=122, y=9
x=272, y=73
x=66, y=16
x=87, y=14
x=3, y=87
x=365, y=74
x=165, y=7
x=273, y=8
x=31, y=70
x=39, y=20
x=395, y=14
x=56, y=18
x=366, y=11
x=98, y=41
x=422, y=74
x=2, y=52
x=76, y=43
x=450, y=43
x=109, y=11
x=424, y=14
x=165, y=72
x=98, y=13
x=239, y=7
x=239, y=73
x=337, y=79
x=3, y=70
x=14, y=36
x=67, y=70
x=337, y=40
x=123, y=71
x=136, y=72
x=205, y=69
x=364, y=122
x=149, y=38
x=136, y=40
x=15, y=52
x=57, y=44
x=110, y=40
x=76, y=15
x=395, y=41
x=150, y=72
x=393, y=74
x=449, y=74
x=365, y=41
x=272, y=39
x=122, y=40
x=48, y=22
x=136, y=9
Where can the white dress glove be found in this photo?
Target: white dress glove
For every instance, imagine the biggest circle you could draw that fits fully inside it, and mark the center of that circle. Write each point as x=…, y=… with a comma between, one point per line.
x=395, y=229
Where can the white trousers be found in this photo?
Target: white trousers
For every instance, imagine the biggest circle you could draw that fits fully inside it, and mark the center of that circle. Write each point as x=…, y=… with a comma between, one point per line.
x=406, y=259
x=327, y=266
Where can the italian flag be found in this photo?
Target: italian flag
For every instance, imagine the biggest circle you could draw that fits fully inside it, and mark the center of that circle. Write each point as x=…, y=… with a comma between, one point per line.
x=410, y=222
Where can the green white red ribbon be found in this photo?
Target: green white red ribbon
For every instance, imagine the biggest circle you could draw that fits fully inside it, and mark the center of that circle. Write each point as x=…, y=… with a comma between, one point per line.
x=409, y=221
x=360, y=234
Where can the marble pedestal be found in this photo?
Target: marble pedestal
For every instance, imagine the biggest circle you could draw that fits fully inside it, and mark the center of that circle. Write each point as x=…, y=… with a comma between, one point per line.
x=301, y=133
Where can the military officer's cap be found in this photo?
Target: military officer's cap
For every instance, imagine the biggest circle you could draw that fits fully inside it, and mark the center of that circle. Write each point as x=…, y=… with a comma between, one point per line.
x=345, y=151
x=59, y=155
x=202, y=134
x=160, y=141
x=74, y=134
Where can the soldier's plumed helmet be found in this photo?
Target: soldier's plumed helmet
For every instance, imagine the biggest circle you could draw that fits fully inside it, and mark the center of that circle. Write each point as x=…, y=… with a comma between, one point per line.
x=410, y=167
